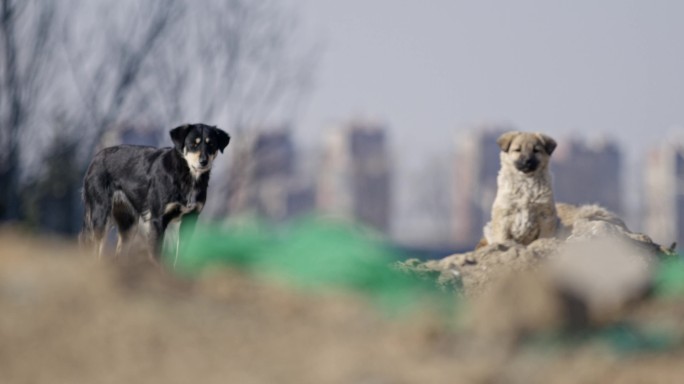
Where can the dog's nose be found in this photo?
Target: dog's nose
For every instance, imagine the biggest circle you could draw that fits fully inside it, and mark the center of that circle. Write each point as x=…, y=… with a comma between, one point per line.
x=204, y=161
x=527, y=165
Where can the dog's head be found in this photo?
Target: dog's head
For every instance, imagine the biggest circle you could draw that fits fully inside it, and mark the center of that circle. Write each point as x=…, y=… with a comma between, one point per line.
x=199, y=144
x=526, y=152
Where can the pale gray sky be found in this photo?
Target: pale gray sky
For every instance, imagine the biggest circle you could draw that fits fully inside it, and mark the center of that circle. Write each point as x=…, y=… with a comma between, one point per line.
x=428, y=68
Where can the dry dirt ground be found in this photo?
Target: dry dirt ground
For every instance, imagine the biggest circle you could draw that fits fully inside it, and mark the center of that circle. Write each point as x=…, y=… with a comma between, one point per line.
x=67, y=318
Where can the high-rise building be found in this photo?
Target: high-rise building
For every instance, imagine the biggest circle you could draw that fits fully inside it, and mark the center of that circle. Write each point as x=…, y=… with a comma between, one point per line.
x=664, y=194
x=265, y=180
x=476, y=167
x=354, y=176
x=588, y=173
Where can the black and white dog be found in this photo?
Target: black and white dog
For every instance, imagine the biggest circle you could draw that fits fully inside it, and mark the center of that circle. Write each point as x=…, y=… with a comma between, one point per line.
x=152, y=186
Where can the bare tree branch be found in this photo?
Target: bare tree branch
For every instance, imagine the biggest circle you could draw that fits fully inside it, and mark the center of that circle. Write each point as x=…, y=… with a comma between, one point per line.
x=130, y=65
x=25, y=49
x=236, y=63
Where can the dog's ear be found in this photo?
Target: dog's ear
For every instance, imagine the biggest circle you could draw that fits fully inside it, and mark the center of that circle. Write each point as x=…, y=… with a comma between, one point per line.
x=178, y=135
x=548, y=143
x=223, y=139
x=504, y=140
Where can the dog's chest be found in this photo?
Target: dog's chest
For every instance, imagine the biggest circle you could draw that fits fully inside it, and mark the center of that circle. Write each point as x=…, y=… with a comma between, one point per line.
x=524, y=224
x=525, y=207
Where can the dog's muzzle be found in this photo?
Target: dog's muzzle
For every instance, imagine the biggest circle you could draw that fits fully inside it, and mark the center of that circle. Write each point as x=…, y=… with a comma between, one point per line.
x=527, y=165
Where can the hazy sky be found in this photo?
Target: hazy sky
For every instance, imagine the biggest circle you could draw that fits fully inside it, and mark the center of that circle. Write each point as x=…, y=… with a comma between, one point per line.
x=430, y=68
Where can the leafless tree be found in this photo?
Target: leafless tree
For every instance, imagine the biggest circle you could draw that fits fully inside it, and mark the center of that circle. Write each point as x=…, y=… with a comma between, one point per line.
x=235, y=63
x=26, y=34
x=250, y=64
x=74, y=69
x=106, y=71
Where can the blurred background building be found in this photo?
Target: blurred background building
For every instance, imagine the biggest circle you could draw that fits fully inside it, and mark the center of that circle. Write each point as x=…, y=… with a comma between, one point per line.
x=266, y=180
x=664, y=193
x=475, y=168
x=354, y=178
x=588, y=172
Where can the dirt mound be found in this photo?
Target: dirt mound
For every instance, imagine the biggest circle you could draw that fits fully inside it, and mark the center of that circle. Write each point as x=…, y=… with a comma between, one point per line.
x=65, y=317
x=580, y=225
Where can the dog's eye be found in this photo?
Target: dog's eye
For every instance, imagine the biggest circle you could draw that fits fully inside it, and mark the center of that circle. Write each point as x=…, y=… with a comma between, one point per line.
x=535, y=150
x=516, y=149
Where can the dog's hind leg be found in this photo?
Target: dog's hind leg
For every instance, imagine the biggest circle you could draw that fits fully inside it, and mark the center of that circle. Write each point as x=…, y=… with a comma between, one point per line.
x=95, y=224
x=126, y=218
x=97, y=238
x=97, y=203
x=123, y=241
x=155, y=239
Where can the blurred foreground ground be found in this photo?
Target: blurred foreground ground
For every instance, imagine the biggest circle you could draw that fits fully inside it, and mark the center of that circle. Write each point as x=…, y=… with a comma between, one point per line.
x=67, y=318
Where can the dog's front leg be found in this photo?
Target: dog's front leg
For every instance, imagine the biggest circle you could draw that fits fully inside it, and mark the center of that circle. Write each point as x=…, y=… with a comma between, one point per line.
x=497, y=230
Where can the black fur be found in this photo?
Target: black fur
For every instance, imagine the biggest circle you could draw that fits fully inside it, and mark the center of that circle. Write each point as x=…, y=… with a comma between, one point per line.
x=130, y=183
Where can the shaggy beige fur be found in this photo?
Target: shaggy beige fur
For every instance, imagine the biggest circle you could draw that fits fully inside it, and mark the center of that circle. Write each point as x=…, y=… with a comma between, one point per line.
x=524, y=209
x=570, y=214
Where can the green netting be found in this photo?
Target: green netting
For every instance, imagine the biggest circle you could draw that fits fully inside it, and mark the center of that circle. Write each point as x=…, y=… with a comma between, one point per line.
x=315, y=255
x=669, y=279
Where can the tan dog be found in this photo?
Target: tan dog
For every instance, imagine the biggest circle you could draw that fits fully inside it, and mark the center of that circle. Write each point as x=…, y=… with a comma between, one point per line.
x=524, y=208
